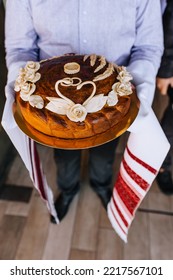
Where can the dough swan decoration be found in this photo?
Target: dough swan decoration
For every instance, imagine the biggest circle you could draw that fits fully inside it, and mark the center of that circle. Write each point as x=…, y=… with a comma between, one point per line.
x=74, y=111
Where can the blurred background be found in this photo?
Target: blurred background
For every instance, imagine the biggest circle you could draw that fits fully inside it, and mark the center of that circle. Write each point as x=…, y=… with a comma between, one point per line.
x=85, y=233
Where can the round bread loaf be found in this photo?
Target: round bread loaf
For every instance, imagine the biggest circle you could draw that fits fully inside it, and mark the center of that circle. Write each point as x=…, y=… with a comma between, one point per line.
x=73, y=96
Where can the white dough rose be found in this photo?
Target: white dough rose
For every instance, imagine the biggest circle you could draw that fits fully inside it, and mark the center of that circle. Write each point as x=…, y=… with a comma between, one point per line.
x=77, y=113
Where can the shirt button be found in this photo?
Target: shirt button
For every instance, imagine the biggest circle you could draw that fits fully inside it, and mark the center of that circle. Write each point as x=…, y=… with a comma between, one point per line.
x=84, y=41
x=84, y=13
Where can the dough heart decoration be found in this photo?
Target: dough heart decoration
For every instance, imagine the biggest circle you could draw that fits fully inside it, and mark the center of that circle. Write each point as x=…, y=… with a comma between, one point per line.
x=75, y=111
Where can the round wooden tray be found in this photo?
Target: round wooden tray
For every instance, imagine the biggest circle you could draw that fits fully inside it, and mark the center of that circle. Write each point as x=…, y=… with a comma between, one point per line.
x=83, y=143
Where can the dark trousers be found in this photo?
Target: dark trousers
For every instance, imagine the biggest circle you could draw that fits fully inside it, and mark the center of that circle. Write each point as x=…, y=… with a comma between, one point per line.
x=100, y=166
x=167, y=125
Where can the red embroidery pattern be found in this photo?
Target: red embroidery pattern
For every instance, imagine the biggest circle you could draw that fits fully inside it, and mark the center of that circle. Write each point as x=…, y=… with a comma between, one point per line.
x=150, y=168
x=125, y=191
x=129, y=198
x=141, y=182
x=119, y=212
x=31, y=158
x=37, y=174
x=117, y=221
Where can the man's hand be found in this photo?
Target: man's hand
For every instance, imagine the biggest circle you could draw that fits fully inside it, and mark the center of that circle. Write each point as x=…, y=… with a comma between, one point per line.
x=163, y=84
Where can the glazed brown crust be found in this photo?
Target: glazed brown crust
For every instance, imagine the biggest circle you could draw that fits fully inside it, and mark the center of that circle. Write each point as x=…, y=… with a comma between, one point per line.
x=60, y=126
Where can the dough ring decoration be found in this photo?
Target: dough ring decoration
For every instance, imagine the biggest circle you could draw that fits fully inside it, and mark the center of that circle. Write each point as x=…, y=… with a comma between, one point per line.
x=71, y=68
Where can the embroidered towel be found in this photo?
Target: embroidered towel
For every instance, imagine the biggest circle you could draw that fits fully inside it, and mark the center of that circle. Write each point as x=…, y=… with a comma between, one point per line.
x=26, y=148
x=146, y=149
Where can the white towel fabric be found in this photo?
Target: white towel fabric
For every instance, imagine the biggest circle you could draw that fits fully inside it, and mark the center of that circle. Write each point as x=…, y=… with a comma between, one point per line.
x=146, y=149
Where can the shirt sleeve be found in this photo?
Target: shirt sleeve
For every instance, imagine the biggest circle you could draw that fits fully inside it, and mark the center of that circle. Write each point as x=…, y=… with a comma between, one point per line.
x=20, y=36
x=148, y=44
x=147, y=50
x=166, y=67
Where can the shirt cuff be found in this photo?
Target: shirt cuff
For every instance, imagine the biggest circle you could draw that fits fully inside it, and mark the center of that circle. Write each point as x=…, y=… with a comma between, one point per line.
x=144, y=78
